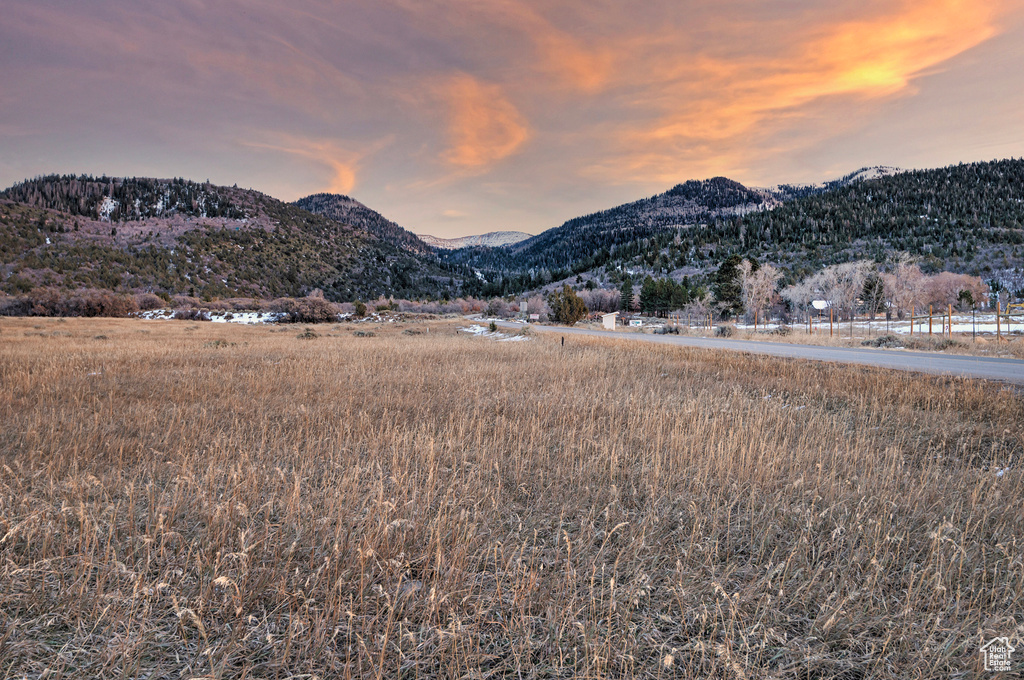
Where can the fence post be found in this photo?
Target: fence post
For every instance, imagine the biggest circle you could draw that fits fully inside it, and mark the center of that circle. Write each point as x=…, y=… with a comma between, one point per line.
x=912, y=321
x=999, y=334
x=929, y=321
x=830, y=322
x=951, y=322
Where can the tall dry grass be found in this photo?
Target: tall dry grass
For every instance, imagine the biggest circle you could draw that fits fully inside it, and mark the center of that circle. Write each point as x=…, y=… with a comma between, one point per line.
x=196, y=500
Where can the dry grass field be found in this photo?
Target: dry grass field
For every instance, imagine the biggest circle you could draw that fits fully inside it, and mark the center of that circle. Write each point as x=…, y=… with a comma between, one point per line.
x=197, y=500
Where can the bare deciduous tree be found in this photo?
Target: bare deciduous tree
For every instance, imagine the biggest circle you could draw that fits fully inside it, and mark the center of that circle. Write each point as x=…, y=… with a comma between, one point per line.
x=904, y=285
x=947, y=288
x=800, y=295
x=758, y=286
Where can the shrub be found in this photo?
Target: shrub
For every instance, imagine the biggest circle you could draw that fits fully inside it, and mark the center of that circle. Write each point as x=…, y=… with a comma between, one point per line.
x=191, y=314
x=304, y=310
x=101, y=303
x=364, y=334
x=360, y=309
x=782, y=329
x=492, y=327
x=52, y=302
x=725, y=331
x=946, y=343
x=884, y=341
x=15, y=306
x=499, y=308
x=182, y=301
x=147, y=301
x=308, y=334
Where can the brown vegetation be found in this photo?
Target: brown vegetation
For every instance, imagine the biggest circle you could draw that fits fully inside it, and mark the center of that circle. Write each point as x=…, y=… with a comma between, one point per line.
x=206, y=500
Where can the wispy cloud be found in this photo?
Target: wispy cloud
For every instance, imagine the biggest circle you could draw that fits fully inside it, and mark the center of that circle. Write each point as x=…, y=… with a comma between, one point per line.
x=483, y=102
x=341, y=161
x=718, y=106
x=484, y=127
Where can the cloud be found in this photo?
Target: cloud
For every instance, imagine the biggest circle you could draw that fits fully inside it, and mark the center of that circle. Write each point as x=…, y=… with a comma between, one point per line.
x=573, y=103
x=720, y=105
x=483, y=127
x=520, y=38
x=560, y=53
x=342, y=162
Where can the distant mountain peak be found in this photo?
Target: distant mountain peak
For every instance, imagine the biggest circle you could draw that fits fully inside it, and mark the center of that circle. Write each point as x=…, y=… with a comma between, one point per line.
x=491, y=239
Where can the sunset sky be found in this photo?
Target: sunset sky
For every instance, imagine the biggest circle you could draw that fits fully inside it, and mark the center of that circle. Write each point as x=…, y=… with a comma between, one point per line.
x=456, y=117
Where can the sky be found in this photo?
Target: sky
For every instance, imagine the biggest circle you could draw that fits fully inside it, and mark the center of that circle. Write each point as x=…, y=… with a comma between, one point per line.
x=458, y=117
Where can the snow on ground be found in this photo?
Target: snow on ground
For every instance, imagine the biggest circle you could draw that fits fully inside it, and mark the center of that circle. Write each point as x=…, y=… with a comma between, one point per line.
x=247, y=318
x=495, y=335
x=107, y=207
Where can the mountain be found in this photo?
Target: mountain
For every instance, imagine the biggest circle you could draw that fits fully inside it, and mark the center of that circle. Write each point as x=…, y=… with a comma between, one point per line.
x=587, y=241
x=966, y=218
x=346, y=210
x=178, y=236
x=491, y=239
x=789, y=192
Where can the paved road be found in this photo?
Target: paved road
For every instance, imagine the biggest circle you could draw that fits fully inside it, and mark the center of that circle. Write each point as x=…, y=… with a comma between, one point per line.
x=1007, y=370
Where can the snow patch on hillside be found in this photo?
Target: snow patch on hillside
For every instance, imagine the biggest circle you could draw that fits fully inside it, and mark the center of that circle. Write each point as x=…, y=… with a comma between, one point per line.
x=492, y=240
x=106, y=208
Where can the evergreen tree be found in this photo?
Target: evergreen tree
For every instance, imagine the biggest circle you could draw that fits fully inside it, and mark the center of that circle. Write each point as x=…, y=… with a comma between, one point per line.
x=727, y=288
x=626, y=295
x=649, y=296
x=566, y=306
x=874, y=295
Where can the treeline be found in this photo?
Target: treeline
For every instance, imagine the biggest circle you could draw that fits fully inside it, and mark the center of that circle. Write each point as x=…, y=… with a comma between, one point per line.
x=123, y=199
x=659, y=297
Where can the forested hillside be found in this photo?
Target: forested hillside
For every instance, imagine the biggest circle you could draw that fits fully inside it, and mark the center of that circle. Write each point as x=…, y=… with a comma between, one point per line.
x=965, y=218
x=347, y=210
x=178, y=236
x=175, y=236
x=122, y=199
x=588, y=241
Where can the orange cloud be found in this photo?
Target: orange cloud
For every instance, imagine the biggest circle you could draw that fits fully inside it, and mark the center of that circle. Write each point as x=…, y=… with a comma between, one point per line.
x=484, y=126
x=559, y=54
x=342, y=162
x=722, y=103
x=588, y=70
